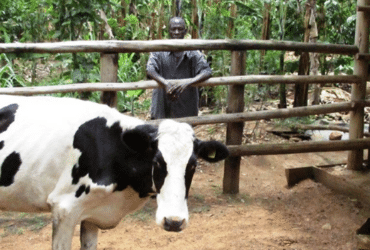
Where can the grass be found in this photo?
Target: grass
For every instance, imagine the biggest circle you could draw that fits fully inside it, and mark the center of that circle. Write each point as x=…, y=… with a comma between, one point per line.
x=17, y=223
x=239, y=198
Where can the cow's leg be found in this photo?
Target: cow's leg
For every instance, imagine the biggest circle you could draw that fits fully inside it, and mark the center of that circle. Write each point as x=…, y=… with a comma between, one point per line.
x=88, y=236
x=62, y=234
x=63, y=228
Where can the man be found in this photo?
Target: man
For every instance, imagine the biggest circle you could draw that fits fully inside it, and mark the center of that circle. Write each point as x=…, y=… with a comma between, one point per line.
x=176, y=100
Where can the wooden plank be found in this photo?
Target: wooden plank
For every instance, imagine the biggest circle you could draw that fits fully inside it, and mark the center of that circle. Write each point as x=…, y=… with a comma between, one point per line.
x=173, y=45
x=299, y=147
x=266, y=114
x=214, y=81
x=354, y=184
x=296, y=175
x=234, y=130
x=109, y=71
x=356, y=125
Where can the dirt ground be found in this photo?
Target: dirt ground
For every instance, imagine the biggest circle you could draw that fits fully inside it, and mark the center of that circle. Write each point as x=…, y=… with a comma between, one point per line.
x=265, y=215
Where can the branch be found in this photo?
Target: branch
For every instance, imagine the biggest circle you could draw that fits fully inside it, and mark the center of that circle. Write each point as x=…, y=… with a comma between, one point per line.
x=108, y=29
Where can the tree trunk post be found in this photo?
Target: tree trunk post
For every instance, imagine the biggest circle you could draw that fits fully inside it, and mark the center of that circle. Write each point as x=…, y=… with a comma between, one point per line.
x=301, y=91
x=234, y=133
x=356, y=124
x=108, y=73
x=195, y=20
x=173, y=8
x=265, y=33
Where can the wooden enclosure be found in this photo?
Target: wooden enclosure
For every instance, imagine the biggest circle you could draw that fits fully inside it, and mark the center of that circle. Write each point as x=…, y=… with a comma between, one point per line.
x=235, y=116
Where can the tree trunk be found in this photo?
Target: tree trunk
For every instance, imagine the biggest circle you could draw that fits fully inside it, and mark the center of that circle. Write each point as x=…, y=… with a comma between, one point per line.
x=195, y=20
x=265, y=33
x=173, y=8
x=314, y=57
x=231, y=30
x=160, y=21
x=152, y=26
x=124, y=8
x=301, y=91
x=282, y=90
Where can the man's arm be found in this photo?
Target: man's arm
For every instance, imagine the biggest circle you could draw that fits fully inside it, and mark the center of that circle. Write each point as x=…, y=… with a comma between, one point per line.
x=202, y=71
x=166, y=84
x=176, y=90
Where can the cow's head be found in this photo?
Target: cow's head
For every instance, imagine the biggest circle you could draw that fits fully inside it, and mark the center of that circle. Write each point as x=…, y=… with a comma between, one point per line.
x=173, y=169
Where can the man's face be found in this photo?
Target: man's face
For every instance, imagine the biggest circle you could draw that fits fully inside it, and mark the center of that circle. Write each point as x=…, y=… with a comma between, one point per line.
x=177, y=28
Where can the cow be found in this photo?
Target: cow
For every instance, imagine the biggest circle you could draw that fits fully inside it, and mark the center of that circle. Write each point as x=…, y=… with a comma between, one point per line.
x=87, y=163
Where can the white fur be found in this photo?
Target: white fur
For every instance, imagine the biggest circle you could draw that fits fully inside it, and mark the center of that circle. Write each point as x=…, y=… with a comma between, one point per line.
x=175, y=141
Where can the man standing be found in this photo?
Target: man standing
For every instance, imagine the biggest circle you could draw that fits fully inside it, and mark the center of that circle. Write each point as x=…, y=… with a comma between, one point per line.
x=176, y=100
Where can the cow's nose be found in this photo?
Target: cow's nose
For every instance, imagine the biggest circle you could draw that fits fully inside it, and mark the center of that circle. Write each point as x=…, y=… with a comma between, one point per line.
x=174, y=225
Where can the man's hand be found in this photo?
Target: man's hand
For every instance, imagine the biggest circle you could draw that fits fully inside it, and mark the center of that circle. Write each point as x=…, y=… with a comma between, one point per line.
x=175, y=90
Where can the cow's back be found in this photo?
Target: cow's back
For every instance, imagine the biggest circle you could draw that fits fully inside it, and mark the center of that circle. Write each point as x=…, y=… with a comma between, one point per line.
x=36, y=145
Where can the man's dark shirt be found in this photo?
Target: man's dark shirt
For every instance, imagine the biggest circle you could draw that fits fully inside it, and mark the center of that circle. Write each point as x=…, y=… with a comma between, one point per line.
x=190, y=64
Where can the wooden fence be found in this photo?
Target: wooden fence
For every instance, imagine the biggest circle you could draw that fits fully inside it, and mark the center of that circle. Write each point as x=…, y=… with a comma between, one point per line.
x=235, y=116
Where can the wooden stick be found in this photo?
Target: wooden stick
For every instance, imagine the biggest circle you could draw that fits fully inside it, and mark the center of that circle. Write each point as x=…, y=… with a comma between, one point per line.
x=262, y=115
x=108, y=73
x=358, y=91
x=298, y=147
x=215, y=81
x=173, y=45
x=234, y=130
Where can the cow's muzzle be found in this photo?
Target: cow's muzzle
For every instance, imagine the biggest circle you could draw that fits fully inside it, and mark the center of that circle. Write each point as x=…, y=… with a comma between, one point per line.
x=174, y=225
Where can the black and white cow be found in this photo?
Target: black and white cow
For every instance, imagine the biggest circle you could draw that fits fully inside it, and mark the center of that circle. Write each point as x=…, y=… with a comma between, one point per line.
x=89, y=164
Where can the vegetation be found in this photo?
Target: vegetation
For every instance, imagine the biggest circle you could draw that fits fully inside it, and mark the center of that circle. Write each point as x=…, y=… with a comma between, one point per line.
x=66, y=20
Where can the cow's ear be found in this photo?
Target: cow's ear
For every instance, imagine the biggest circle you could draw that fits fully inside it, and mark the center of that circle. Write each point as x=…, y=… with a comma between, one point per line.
x=211, y=151
x=141, y=138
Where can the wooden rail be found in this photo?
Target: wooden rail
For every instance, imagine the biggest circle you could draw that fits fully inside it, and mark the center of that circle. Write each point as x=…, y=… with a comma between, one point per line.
x=112, y=46
x=268, y=114
x=215, y=81
x=299, y=147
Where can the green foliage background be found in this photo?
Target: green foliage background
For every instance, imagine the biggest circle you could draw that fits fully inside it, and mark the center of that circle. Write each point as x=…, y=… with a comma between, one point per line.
x=67, y=20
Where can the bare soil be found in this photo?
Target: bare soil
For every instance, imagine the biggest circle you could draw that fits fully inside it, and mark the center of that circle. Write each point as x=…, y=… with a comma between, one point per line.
x=265, y=215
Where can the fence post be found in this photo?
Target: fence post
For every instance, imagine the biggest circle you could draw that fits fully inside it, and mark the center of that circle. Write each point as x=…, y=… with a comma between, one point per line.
x=108, y=73
x=356, y=125
x=234, y=132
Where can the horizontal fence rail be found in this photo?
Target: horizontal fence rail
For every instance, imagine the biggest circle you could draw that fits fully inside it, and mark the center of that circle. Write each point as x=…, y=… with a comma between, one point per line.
x=114, y=46
x=299, y=147
x=268, y=114
x=214, y=81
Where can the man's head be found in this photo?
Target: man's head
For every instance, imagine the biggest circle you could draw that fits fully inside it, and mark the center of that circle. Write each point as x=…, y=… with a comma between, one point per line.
x=177, y=28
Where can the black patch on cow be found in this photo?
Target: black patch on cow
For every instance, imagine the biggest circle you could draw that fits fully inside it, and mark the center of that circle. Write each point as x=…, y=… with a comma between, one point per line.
x=107, y=159
x=80, y=191
x=7, y=115
x=189, y=173
x=76, y=174
x=159, y=171
x=9, y=168
x=1, y=144
x=87, y=190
